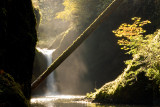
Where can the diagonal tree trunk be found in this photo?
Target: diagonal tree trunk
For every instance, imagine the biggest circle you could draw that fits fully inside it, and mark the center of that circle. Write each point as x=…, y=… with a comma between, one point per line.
x=107, y=12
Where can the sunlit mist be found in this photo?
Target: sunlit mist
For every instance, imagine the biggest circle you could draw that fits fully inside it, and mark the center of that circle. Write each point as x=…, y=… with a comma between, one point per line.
x=56, y=33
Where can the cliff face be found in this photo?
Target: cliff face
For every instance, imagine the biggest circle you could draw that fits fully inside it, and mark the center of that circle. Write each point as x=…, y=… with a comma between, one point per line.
x=17, y=41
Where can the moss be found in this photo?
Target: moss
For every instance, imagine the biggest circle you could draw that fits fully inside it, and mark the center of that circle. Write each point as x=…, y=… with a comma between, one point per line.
x=136, y=85
x=131, y=87
x=140, y=81
x=11, y=93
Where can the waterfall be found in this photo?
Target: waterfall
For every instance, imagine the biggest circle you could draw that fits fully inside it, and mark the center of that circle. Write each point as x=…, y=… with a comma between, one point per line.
x=51, y=87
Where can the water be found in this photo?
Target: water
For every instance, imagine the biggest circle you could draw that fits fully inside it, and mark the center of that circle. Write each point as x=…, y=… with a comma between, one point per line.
x=63, y=100
x=51, y=87
x=68, y=101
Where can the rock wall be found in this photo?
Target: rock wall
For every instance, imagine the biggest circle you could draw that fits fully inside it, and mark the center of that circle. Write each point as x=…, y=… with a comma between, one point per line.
x=17, y=41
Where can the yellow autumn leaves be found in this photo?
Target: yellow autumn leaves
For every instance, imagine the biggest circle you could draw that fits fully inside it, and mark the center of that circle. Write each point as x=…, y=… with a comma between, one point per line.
x=129, y=32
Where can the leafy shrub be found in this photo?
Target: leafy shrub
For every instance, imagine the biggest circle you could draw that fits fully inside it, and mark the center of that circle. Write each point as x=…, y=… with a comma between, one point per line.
x=145, y=49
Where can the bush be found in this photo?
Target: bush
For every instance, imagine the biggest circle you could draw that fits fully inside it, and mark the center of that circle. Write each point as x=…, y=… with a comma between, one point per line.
x=145, y=49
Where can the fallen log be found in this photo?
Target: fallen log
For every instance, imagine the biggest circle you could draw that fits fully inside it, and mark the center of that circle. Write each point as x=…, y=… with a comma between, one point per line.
x=107, y=12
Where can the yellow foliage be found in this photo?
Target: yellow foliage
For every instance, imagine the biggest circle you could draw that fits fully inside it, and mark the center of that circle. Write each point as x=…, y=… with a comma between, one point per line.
x=75, y=12
x=130, y=32
x=69, y=10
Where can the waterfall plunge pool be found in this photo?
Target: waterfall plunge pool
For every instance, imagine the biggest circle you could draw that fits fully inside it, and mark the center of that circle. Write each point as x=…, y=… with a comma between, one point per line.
x=62, y=100
x=68, y=101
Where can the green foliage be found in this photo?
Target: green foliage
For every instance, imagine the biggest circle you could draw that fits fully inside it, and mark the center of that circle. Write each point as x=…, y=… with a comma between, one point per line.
x=144, y=48
x=142, y=74
x=81, y=12
x=141, y=79
x=75, y=11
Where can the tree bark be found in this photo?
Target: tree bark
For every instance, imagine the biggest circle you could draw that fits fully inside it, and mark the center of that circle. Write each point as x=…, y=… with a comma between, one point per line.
x=107, y=12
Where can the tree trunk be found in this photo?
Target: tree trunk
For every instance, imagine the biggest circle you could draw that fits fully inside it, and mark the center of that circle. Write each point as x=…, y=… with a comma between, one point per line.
x=107, y=12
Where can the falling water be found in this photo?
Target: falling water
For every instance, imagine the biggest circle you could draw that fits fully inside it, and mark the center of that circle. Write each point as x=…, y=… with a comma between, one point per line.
x=51, y=87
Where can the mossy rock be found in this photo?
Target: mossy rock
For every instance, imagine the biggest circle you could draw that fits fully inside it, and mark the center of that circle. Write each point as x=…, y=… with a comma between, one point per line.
x=129, y=88
x=10, y=92
x=133, y=86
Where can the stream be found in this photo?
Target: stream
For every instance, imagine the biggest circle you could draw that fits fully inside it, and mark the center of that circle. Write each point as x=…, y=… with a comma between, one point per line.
x=68, y=101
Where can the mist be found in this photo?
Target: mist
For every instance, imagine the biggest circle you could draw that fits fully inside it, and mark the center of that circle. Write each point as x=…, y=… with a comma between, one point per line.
x=59, y=34
x=97, y=61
